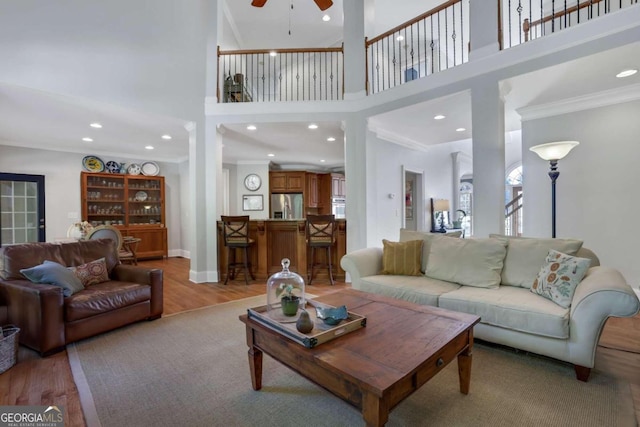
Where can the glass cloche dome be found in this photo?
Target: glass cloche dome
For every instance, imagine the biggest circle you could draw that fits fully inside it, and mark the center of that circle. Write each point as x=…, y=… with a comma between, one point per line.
x=285, y=294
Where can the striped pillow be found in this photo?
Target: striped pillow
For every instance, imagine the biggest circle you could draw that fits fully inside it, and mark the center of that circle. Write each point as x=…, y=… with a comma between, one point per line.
x=402, y=258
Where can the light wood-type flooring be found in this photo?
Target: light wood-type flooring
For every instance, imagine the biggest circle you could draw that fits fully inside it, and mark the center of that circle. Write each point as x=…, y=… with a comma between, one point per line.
x=48, y=381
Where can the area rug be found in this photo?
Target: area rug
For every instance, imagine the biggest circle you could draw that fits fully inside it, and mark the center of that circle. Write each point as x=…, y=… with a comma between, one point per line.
x=191, y=369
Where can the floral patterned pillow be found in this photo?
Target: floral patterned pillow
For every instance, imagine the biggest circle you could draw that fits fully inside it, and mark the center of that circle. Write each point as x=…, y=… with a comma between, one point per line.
x=92, y=273
x=559, y=277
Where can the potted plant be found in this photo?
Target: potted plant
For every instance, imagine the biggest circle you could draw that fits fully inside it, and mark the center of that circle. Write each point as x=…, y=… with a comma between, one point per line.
x=289, y=302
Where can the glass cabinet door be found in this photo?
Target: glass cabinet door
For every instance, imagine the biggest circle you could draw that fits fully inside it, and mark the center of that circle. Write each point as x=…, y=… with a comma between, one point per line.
x=105, y=201
x=145, y=202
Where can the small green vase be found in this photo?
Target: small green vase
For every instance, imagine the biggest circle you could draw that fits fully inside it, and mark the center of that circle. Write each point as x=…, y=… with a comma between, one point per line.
x=290, y=305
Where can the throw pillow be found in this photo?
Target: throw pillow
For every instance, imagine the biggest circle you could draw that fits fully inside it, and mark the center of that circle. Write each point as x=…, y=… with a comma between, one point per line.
x=54, y=274
x=559, y=277
x=471, y=262
x=92, y=273
x=525, y=256
x=427, y=237
x=401, y=258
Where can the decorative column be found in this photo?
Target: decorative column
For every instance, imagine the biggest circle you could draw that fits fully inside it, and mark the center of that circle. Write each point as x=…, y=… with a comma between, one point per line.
x=487, y=110
x=358, y=186
x=354, y=52
x=483, y=28
x=203, y=152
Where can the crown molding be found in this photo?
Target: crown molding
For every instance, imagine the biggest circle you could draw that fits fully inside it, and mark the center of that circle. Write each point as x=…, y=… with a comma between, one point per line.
x=395, y=138
x=581, y=103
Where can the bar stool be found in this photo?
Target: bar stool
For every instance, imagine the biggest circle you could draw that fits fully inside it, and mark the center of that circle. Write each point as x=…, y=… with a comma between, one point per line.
x=236, y=236
x=320, y=234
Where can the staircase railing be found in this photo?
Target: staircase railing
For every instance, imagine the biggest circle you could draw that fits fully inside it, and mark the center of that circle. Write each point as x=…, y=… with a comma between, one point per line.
x=526, y=20
x=264, y=75
x=513, y=217
x=432, y=42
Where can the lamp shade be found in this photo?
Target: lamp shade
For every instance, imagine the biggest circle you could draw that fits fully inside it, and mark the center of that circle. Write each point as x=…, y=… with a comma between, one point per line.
x=441, y=205
x=554, y=150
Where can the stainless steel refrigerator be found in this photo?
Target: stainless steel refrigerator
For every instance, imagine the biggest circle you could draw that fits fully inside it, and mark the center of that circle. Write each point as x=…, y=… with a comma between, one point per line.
x=287, y=206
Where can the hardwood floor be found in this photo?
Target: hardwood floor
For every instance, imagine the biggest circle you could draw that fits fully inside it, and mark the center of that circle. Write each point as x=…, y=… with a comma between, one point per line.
x=48, y=381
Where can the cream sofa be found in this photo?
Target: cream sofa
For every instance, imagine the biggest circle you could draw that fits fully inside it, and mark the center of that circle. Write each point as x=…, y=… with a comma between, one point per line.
x=510, y=313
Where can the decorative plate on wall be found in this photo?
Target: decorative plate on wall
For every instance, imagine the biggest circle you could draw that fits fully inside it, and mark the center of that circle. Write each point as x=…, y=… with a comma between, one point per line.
x=150, y=169
x=113, y=167
x=134, y=169
x=93, y=164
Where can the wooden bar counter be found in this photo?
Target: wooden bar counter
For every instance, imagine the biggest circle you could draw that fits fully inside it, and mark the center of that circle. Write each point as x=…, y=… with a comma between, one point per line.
x=284, y=238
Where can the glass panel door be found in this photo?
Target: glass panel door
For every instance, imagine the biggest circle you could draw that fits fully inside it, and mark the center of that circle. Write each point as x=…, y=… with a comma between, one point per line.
x=21, y=209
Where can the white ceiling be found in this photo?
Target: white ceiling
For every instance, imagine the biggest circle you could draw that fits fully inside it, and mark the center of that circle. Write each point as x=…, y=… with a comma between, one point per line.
x=43, y=120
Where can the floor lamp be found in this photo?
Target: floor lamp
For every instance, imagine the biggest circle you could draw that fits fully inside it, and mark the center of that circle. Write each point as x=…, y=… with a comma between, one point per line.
x=553, y=151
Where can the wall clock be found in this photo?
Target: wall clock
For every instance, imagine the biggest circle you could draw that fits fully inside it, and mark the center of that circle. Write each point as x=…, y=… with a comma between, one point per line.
x=252, y=182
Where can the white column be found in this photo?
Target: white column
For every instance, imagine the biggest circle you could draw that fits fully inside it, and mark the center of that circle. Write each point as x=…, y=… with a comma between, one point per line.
x=483, y=28
x=205, y=165
x=487, y=110
x=354, y=53
x=355, y=134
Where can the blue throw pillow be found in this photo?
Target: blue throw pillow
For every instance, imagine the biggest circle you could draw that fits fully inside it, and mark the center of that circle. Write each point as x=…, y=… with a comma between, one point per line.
x=54, y=274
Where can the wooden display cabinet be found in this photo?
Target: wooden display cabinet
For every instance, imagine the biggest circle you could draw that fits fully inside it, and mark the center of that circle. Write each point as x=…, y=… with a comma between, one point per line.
x=135, y=204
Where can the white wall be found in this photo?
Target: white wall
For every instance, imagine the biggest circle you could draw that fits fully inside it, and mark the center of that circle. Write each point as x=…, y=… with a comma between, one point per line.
x=62, y=188
x=597, y=197
x=387, y=162
x=262, y=170
x=149, y=56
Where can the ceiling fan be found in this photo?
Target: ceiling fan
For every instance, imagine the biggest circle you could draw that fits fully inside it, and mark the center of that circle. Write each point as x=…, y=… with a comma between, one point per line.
x=322, y=4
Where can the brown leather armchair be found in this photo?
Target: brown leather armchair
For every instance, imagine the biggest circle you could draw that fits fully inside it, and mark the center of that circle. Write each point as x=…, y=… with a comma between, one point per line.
x=48, y=321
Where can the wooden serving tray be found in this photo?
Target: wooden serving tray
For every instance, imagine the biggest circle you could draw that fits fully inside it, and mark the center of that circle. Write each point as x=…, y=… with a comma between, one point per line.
x=321, y=332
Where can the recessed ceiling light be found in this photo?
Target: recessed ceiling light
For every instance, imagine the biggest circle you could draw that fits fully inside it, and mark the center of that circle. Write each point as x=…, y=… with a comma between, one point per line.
x=626, y=73
x=331, y=139
x=322, y=161
x=439, y=117
x=166, y=137
x=313, y=126
x=400, y=38
x=87, y=139
x=252, y=127
x=96, y=125
x=461, y=129
x=273, y=53
x=326, y=18
x=149, y=147
x=271, y=155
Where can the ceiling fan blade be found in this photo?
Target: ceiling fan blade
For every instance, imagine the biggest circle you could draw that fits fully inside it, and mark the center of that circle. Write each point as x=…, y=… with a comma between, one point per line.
x=324, y=4
x=258, y=3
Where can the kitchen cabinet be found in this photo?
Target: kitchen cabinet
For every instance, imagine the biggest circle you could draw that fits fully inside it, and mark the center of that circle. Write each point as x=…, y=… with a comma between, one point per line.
x=286, y=182
x=338, y=185
x=135, y=204
x=311, y=195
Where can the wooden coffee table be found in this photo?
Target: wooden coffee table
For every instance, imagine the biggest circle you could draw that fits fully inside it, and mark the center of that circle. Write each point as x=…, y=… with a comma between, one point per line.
x=376, y=367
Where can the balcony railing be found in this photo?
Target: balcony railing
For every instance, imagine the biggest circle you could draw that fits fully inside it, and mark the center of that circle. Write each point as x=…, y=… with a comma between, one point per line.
x=525, y=20
x=431, y=42
x=280, y=75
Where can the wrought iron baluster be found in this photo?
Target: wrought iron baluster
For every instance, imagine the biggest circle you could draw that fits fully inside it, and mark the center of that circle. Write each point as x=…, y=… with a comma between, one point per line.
x=446, y=38
x=462, y=47
x=453, y=34
x=432, y=45
x=519, y=10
